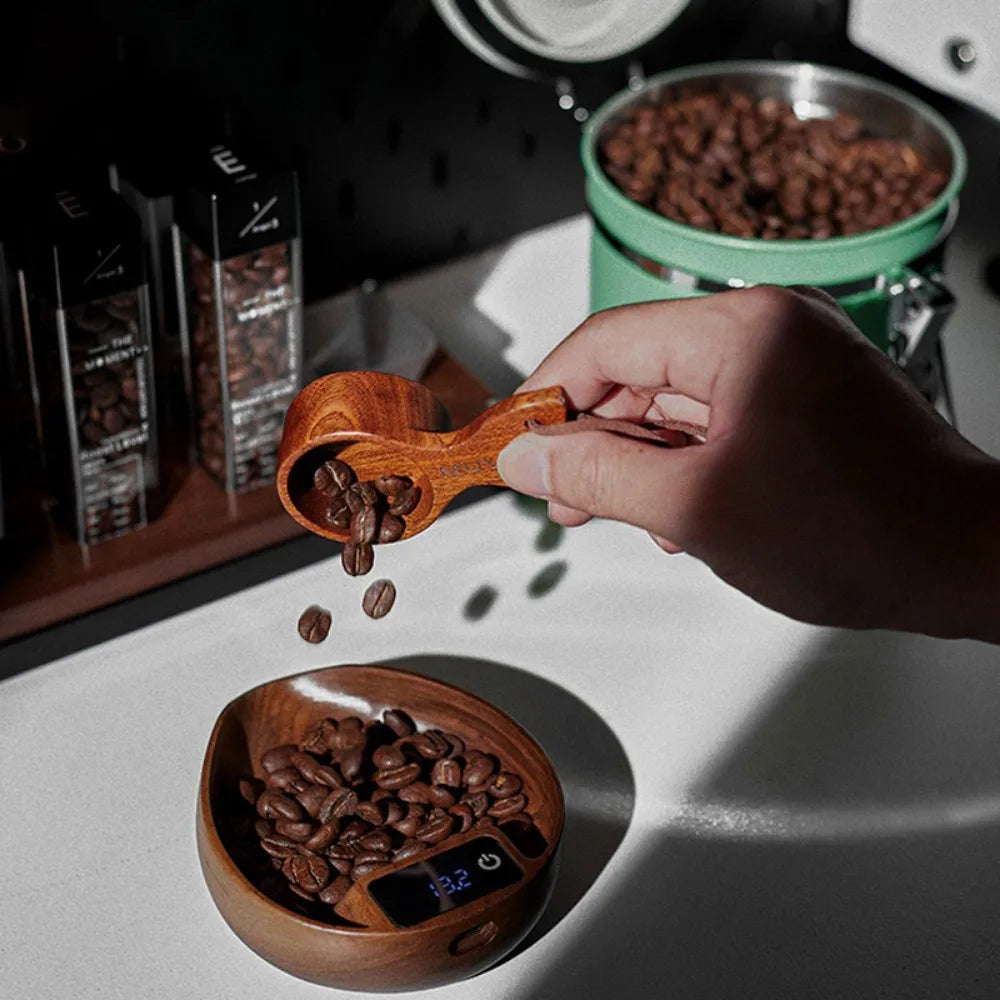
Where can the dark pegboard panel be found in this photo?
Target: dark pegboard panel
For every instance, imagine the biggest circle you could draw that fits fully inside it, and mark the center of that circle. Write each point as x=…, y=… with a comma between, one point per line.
x=410, y=149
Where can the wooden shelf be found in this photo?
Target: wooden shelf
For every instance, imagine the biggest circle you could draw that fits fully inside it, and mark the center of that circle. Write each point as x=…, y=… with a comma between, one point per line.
x=200, y=527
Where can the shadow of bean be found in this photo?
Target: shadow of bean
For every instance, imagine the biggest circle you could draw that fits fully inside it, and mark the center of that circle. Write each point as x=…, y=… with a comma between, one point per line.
x=549, y=537
x=547, y=579
x=480, y=603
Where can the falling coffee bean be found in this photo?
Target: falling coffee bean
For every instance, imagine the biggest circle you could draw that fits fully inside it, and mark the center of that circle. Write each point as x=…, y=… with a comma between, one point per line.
x=379, y=598
x=357, y=558
x=314, y=623
x=364, y=526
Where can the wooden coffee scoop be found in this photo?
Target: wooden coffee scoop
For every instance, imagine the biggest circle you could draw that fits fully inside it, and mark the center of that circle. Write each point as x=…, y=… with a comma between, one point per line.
x=387, y=425
x=383, y=425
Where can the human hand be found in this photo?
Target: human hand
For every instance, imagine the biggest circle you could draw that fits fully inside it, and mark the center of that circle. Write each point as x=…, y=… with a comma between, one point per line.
x=827, y=488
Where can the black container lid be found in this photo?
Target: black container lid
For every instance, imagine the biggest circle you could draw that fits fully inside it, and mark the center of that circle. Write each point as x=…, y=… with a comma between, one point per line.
x=90, y=246
x=237, y=203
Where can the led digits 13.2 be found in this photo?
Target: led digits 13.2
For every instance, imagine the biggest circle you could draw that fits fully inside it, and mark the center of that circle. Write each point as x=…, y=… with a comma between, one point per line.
x=452, y=883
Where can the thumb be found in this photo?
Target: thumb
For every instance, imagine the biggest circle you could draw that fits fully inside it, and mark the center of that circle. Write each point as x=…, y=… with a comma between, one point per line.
x=606, y=475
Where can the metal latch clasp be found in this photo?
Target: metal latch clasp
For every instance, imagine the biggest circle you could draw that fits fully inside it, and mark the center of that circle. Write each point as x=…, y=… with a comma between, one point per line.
x=919, y=307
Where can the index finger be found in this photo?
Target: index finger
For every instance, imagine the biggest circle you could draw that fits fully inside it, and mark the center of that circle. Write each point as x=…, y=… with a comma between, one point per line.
x=680, y=344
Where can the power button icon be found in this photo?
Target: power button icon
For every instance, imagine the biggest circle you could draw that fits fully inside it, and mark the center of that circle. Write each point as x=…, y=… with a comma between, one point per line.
x=489, y=862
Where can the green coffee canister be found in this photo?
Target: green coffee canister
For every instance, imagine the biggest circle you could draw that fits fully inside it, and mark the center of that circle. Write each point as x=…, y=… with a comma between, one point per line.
x=888, y=279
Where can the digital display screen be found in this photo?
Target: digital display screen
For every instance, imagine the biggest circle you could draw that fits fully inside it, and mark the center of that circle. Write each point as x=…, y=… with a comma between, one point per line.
x=444, y=881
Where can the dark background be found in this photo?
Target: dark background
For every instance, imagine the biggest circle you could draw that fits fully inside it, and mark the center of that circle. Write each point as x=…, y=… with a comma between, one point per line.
x=410, y=149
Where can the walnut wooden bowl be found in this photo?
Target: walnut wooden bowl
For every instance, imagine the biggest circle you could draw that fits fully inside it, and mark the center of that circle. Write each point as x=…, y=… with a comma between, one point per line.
x=373, y=954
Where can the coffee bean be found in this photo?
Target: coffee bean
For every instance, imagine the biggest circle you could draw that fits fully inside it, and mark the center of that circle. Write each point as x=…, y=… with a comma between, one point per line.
x=399, y=722
x=364, y=526
x=305, y=763
x=412, y=821
x=288, y=779
x=350, y=761
x=379, y=598
x=329, y=776
x=390, y=528
x=350, y=734
x=308, y=871
x=406, y=502
x=342, y=865
x=377, y=840
x=324, y=836
x=415, y=791
x=370, y=813
x=507, y=807
x=274, y=804
x=440, y=797
x=394, y=812
x=387, y=757
x=314, y=623
x=353, y=501
x=397, y=777
x=338, y=804
x=335, y=891
x=463, y=816
x=344, y=850
x=278, y=757
x=425, y=746
x=321, y=738
x=298, y=831
x=262, y=828
x=333, y=476
x=357, y=559
x=446, y=771
x=365, y=492
x=300, y=892
x=354, y=829
x=278, y=846
x=479, y=769
x=361, y=870
x=478, y=802
x=392, y=486
x=409, y=849
x=436, y=829
x=338, y=514
x=312, y=799
x=371, y=857
x=504, y=785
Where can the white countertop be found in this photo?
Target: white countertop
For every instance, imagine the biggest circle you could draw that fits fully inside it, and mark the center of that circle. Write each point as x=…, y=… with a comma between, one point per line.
x=756, y=808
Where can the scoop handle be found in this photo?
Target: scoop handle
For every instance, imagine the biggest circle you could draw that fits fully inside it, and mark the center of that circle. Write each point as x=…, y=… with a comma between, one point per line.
x=468, y=456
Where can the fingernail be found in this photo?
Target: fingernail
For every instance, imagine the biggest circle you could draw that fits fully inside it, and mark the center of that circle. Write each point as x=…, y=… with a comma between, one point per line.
x=524, y=466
